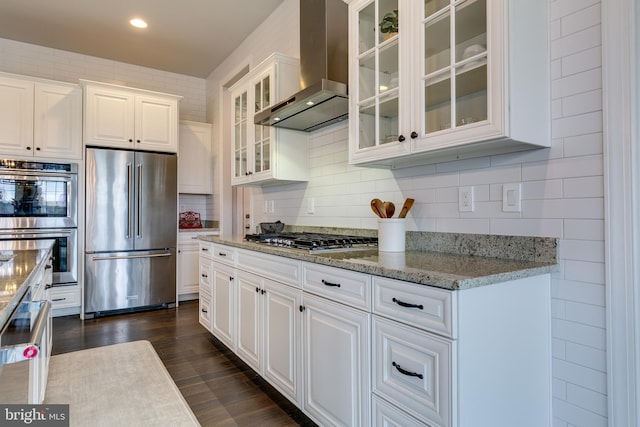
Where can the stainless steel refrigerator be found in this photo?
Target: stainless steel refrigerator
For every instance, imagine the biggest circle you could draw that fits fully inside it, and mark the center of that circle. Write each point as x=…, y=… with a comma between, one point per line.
x=131, y=228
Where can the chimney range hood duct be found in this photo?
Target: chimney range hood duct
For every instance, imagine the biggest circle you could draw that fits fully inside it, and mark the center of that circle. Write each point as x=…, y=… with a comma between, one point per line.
x=324, y=71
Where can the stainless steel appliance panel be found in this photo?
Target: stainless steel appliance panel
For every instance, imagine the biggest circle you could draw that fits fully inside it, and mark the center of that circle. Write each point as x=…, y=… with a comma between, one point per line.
x=65, y=250
x=38, y=194
x=109, y=199
x=156, y=202
x=123, y=280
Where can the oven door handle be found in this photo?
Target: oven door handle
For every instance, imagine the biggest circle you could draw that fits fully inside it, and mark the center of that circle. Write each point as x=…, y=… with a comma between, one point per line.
x=29, y=350
x=20, y=233
x=24, y=176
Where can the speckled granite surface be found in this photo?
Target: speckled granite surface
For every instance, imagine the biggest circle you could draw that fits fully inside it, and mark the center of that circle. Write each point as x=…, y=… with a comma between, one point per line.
x=445, y=260
x=207, y=226
x=15, y=275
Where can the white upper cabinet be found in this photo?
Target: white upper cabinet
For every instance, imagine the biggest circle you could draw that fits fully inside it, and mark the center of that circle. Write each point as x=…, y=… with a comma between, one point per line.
x=438, y=80
x=194, y=158
x=40, y=118
x=120, y=117
x=264, y=154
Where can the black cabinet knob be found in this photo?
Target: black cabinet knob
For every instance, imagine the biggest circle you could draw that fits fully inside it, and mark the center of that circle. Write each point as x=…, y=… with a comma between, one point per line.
x=401, y=138
x=414, y=135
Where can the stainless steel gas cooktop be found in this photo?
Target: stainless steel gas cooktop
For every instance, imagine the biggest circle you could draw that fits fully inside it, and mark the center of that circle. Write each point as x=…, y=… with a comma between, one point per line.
x=315, y=242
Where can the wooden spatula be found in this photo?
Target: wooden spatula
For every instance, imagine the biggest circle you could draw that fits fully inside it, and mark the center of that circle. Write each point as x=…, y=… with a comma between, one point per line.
x=378, y=208
x=408, y=204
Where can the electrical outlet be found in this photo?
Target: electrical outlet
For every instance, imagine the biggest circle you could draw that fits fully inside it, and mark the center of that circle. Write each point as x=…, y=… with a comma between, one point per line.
x=311, y=205
x=465, y=199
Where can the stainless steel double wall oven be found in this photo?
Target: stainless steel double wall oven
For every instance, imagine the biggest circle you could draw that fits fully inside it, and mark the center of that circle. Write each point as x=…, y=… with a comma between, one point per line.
x=39, y=200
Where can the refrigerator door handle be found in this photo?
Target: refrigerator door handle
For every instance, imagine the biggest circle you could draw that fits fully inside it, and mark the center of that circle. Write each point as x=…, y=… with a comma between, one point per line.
x=129, y=184
x=139, y=217
x=104, y=258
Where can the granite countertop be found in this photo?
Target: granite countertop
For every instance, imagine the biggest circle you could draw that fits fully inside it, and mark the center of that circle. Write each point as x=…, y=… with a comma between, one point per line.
x=17, y=263
x=207, y=227
x=460, y=267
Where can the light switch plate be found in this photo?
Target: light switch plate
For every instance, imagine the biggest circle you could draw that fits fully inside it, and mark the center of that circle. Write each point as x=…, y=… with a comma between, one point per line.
x=511, y=197
x=311, y=205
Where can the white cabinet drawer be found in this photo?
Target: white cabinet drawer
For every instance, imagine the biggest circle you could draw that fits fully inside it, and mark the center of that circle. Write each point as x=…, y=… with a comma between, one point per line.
x=64, y=296
x=343, y=286
x=421, y=306
x=412, y=370
x=280, y=269
x=206, y=249
x=220, y=253
x=387, y=415
x=204, y=311
x=205, y=272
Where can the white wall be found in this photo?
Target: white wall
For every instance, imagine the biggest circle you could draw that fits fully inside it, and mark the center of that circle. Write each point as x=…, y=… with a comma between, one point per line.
x=562, y=190
x=38, y=61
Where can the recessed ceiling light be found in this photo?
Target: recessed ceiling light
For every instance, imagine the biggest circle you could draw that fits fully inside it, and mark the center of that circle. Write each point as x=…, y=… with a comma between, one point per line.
x=138, y=23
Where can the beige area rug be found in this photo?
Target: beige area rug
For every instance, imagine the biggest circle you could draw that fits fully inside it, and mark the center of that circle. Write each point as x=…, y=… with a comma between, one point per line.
x=117, y=385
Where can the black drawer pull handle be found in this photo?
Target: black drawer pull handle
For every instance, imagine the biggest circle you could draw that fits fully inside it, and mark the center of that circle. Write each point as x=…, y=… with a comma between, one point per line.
x=301, y=308
x=324, y=282
x=257, y=289
x=230, y=278
x=222, y=254
x=48, y=266
x=205, y=249
x=58, y=299
x=407, y=373
x=204, y=311
x=406, y=304
x=204, y=276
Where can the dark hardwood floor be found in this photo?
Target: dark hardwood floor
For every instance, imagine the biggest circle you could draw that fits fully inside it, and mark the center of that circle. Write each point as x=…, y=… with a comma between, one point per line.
x=220, y=389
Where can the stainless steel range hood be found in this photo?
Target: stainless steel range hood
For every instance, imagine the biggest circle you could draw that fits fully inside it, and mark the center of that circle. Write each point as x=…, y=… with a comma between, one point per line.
x=324, y=71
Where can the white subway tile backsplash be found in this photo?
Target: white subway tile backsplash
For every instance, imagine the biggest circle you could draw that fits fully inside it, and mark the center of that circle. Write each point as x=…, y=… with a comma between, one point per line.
x=582, y=103
x=576, y=83
x=580, y=291
x=585, y=229
x=581, y=20
x=543, y=189
x=590, y=186
x=596, y=402
x=585, y=314
x=576, y=42
x=563, y=208
x=576, y=415
x=580, y=375
x=583, y=250
x=582, y=61
x=579, y=333
x=563, y=168
x=586, y=356
x=577, y=125
x=584, y=271
x=526, y=227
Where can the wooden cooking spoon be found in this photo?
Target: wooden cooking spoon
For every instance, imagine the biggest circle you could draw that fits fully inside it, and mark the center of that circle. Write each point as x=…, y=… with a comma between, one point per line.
x=378, y=208
x=408, y=204
x=389, y=209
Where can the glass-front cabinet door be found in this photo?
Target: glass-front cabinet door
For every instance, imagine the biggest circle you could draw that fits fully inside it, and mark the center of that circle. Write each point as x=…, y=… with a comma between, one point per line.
x=450, y=78
x=377, y=33
x=239, y=135
x=262, y=134
x=453, y=73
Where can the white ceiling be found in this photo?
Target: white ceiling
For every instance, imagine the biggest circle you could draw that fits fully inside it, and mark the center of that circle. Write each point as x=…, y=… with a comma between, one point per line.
x=184, y=36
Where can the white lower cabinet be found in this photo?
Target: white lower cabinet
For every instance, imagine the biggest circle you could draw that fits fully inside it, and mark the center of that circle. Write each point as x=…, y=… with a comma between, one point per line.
x=383, y=352
x=336, y=363
x=268, y=335
x=223, y=303
x=412, y=369
x=385, y=414
x=204, y=310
